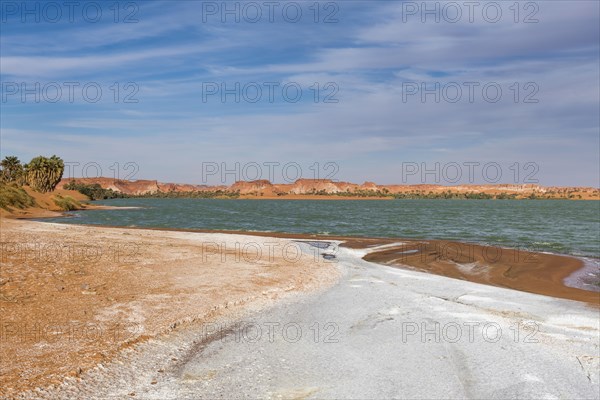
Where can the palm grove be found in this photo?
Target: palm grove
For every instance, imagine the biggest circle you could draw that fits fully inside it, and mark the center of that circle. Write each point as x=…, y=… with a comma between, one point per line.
x=41, y=173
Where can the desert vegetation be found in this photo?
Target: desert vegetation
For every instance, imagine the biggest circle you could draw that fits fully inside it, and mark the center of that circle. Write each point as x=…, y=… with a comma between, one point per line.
x=41, y=174
x=94, y=191
x=14, y=197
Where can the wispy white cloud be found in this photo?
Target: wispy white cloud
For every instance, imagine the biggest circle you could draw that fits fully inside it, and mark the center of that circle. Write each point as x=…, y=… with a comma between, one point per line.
x=369, y=55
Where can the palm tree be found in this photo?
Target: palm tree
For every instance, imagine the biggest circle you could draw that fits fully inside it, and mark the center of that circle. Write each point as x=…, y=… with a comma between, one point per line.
x=11, y=169
x=34, y=175
x=43, y=174
x=57, y=167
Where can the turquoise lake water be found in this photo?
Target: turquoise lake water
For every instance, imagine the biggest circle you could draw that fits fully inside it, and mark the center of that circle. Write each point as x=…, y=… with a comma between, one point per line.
x=557, y=226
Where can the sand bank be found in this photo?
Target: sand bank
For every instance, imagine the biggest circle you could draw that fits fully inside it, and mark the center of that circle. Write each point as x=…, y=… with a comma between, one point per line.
x=534, y=272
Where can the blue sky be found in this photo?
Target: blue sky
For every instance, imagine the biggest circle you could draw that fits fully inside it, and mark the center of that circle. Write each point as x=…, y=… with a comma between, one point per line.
x=366, y=57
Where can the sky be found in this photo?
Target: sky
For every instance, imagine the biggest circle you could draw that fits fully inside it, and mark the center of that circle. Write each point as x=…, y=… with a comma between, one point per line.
x=383, y=91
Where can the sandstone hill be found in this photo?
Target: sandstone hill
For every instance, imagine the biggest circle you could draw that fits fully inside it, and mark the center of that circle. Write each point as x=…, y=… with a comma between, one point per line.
x=327, y=187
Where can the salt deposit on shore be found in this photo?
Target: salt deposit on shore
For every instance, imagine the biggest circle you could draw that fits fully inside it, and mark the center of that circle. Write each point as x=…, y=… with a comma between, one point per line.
x=72, y=297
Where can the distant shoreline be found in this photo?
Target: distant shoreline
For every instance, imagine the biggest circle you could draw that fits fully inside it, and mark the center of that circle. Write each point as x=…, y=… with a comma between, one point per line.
x=322, y=189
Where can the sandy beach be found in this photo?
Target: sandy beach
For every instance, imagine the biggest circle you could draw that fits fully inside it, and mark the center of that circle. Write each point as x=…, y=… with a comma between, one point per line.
x=174, y=314
x=72, y=297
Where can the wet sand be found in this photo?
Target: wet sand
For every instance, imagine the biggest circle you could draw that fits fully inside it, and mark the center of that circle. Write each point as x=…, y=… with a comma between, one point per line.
x=532, y=272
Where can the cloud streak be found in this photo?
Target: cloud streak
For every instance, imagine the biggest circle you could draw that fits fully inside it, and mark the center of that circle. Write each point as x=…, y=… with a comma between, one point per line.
x=370, y=54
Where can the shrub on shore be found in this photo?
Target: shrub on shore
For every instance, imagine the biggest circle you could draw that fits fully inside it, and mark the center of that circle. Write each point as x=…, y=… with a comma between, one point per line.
x=12, y=196
x=196, y=194
x=66, y=203
x=94, y=191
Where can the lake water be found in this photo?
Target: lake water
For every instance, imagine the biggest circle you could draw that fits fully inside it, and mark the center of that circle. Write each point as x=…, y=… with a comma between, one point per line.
x=567, y=227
